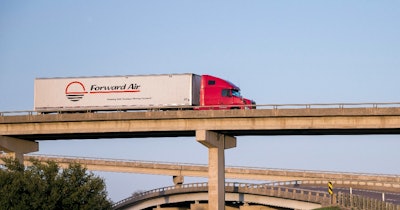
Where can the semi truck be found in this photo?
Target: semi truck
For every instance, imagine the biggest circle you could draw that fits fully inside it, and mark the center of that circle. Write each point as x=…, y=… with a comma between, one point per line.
x=137, y=92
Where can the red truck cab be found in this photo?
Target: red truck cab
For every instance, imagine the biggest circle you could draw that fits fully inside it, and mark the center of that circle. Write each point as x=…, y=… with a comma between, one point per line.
x=216, y=93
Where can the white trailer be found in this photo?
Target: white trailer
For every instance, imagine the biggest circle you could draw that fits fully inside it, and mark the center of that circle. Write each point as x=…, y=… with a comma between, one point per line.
x=116, y=92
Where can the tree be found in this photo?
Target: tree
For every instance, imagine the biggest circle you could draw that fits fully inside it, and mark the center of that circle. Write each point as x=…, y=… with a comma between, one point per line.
x=45, y=186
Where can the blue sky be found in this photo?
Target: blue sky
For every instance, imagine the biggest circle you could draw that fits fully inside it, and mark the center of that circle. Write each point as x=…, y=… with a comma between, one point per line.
x=278, y=52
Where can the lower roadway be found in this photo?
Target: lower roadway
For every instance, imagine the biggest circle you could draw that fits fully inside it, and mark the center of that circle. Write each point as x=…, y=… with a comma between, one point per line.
x=376, y=182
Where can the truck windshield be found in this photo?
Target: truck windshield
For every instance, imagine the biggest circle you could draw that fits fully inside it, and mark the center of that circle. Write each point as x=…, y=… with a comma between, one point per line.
x=236, y=93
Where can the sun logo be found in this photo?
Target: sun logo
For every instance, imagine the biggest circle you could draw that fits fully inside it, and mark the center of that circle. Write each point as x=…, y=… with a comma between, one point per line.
x=75, y=91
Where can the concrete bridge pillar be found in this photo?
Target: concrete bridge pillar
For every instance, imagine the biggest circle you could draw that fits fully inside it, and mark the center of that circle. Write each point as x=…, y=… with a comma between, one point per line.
x=216, y=144
x=17, y=147
x=178, y=180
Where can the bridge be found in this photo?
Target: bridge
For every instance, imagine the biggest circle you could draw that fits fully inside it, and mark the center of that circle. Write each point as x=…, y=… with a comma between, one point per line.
x=237, y=194
x=308, y=191
x=246, y=196
x=382, y=182
x=215, y=129
x=301, y=120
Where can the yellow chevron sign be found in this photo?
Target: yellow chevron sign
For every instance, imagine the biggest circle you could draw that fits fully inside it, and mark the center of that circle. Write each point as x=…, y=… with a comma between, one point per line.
x=330, y=188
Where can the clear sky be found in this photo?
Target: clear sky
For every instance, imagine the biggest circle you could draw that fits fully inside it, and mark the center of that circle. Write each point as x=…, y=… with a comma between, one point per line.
x=278, y=52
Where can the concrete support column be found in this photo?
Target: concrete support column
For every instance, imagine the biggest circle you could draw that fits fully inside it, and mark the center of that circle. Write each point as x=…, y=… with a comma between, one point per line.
x=178, y=180
x=17, y=147
x=216, y=144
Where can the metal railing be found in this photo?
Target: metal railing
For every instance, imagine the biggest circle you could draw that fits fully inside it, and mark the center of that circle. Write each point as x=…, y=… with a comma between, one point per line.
x=367, y=184
x=329, y=105
x=349, y=201
x=258, y=106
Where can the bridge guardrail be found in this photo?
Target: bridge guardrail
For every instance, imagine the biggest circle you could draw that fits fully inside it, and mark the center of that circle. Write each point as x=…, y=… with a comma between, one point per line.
x=359, y=202
x=352, y=183
x=16, y=113
x=395, y=176
x=331, y=105
x=258, y=106
x=390, y=187
x=234, y=187
x=77, y=159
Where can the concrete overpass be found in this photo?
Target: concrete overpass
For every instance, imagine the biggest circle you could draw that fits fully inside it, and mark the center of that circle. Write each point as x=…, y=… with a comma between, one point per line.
x=238, y=195
x=376, y=182
x=307, y=189
x=276, y=121
x=215, y=129
x=245, y=196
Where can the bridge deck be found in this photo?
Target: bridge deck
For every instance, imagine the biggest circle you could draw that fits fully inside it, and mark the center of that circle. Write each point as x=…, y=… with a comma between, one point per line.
x=306, y=121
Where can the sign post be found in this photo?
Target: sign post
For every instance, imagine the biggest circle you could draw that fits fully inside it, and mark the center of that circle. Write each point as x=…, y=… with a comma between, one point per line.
x=330, y=191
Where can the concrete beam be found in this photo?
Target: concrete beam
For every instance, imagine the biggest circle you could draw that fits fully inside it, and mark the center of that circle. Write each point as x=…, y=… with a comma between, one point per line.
x=17, y=147
x=212, y=139
x=178, y=180
x=216, y=144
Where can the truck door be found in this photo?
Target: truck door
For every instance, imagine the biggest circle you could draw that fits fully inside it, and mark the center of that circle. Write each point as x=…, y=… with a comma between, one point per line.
x=226, y=97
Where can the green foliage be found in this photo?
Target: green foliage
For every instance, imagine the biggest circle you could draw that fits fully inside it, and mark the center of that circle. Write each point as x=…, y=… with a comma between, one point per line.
x=46, y=186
